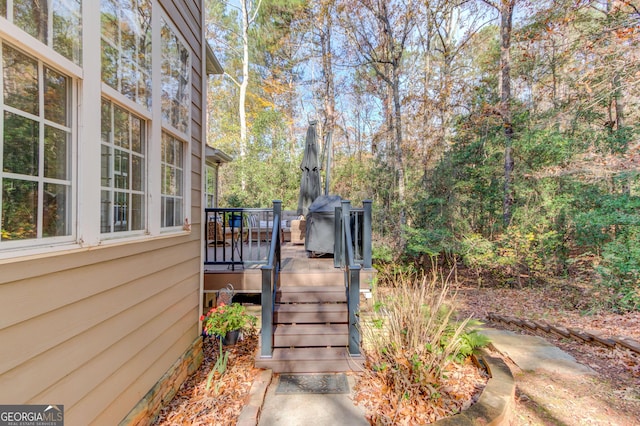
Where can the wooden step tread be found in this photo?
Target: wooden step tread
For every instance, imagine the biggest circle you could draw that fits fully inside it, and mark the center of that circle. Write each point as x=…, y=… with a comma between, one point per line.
x=312, y=289
x=311, y=360
x=315, y=313
x=311, y=294
x=317, y=354
x=311, y=335
x=311, y=307
x=311, y=329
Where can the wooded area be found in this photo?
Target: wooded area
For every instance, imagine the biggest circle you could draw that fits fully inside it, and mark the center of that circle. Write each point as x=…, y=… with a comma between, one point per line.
x=498, y=133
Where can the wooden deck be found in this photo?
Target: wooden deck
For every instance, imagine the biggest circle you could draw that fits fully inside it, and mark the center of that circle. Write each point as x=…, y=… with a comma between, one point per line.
x=310, y=328
x=298, y=268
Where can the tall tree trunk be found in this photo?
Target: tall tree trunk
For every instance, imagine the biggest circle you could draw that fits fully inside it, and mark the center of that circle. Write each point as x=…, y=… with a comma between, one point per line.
x=398, y=158
x=326, y=30
x=247, y=8
x=242, y=112
x=506, y=15
x=619, y=101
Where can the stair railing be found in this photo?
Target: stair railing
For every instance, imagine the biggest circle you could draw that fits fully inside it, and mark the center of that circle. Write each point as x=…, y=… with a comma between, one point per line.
x=351, y=278
x=270, y=273
x=361, y=236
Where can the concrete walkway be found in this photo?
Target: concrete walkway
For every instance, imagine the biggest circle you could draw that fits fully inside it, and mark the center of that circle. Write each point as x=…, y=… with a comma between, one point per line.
x=310, y=409
x=530, y=353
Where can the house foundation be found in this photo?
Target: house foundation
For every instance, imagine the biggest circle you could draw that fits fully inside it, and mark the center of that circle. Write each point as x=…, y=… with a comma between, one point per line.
x=148, y=408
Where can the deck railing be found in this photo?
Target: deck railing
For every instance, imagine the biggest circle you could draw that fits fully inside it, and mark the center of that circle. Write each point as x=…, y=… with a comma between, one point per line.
x=351, y=274
x=270, y=273
x=360, y=226
x=238, y=236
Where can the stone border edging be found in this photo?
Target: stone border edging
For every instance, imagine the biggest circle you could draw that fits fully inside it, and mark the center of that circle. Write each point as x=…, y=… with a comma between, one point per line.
x=250, y=414
x=576, y=334
x=497, y=401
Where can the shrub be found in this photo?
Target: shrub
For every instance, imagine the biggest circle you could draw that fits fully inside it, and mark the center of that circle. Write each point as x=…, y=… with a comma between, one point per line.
x=412, y=337
x=620, y=272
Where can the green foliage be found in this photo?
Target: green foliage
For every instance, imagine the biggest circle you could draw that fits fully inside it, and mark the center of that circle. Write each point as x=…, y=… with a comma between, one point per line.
x=542, y=148
x=218, y=369
x=478, y=252
x=614, y=142
x=470, y=340
x=431, y=242
x=269, y=171
x=225, y=318
x=382, y=253
x=620, y=271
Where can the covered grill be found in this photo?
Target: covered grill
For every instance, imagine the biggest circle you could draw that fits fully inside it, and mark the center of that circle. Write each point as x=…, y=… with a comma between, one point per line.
x=320, y=232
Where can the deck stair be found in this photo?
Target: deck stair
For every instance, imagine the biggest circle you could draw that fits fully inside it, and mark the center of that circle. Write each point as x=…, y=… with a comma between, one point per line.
x=310, y=331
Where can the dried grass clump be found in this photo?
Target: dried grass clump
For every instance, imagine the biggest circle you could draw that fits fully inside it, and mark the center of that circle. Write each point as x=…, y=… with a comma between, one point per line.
x=412, y=342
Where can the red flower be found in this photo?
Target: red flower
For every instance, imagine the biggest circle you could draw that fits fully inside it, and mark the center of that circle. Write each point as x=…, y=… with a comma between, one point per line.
x=201, y=317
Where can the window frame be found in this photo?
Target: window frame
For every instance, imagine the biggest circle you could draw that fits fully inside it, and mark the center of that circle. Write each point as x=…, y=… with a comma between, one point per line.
x=210, y=191
x=73, y=90
x=50, y=42
x=86, y=92
x=183, y=137
x=146, y=140
x=163, y=196
x=117, y=45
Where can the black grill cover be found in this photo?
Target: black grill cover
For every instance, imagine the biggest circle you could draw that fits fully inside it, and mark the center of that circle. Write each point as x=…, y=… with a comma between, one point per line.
x=320, y=234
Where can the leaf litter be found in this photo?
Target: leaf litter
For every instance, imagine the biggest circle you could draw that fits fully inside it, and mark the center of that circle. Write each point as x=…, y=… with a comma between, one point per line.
x=612, y=397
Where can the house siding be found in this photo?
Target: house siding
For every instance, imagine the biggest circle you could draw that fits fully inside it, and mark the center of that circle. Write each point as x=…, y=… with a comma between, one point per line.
x=96, y=328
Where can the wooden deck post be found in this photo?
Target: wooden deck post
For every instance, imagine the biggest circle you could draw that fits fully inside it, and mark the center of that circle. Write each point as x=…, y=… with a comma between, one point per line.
x=352, y=278
x=366, y=235
x=266, y=327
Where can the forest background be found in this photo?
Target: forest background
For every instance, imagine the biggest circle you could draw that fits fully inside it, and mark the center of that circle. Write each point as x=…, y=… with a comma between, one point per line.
x=498, y=134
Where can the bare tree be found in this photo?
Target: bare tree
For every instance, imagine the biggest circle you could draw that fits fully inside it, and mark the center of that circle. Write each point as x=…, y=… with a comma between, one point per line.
x=380, y=31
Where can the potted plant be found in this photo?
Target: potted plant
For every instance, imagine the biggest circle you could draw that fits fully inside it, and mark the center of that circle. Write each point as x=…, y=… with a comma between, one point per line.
x=234, y=219
x=227, y=322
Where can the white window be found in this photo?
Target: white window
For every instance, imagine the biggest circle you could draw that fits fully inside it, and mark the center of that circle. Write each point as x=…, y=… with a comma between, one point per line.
x=35, y=148
x=56, y=23
x=77, y=137
x=176, y=120
x=122, y=170
x=176, y=81
x=172, y=210
x=210, y=186
x=126, y=48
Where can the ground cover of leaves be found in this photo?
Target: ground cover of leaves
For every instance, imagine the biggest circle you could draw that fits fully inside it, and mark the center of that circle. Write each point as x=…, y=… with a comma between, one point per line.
x=195, y=405
x=612, y=397
x=461, y=388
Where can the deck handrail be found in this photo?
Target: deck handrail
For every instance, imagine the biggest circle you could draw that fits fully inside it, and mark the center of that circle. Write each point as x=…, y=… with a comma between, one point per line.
x=361, y=237
x=269, y=284
x=351, y=278
x=219, y=231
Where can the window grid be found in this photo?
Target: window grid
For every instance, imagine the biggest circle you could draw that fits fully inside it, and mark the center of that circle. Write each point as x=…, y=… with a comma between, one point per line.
x=35, y=151
x=210, y=186
x=123, y=170
x=126, y=48
x=176, y=81
x=58, y=26
x=172, y=181
x=48, y=184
